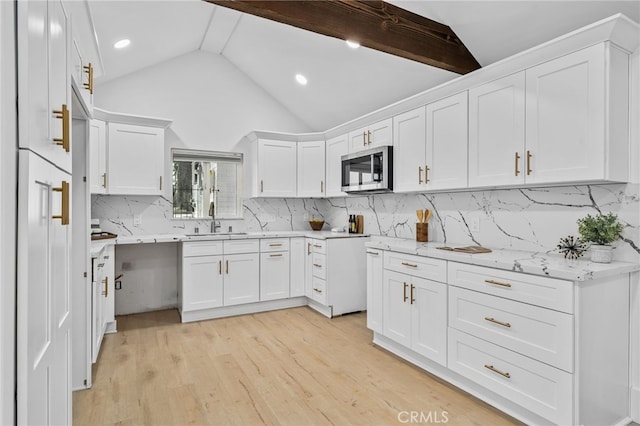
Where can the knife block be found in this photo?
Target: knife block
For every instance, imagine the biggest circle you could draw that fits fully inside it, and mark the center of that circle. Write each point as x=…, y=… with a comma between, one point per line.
x=422, y=232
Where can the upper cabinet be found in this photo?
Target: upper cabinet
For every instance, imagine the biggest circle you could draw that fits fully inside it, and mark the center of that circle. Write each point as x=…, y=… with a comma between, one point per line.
x=135, y=159
x=311, y=164
x=276, y=168
x=496, y=132
x=98, y=157
x=410, y=137
x=335, y=149
x=377, y=134
x=82, y=77
x=43, y=57
x=565, y=120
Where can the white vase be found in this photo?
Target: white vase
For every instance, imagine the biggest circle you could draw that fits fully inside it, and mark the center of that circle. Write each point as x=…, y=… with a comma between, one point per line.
x=600, y=253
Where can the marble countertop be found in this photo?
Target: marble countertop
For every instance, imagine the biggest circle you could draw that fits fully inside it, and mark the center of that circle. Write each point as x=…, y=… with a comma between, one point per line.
x=536, y=263
x=173, y=238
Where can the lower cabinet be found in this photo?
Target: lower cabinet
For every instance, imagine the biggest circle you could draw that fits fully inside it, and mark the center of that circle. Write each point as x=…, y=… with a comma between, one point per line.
x=241, y=279
x=415, y=314
x=374, y=290
x=103, y=298
x=201, y=282
x=297, y=256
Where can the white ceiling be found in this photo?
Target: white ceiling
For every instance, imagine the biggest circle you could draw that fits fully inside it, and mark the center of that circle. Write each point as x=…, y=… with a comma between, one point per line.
x=343, y=83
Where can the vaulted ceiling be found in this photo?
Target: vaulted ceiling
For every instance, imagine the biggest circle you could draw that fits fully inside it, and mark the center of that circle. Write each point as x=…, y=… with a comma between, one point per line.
x=343, y=83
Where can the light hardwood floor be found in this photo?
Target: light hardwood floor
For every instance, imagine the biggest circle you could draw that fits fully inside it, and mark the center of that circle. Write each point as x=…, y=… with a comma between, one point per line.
x=291, y=367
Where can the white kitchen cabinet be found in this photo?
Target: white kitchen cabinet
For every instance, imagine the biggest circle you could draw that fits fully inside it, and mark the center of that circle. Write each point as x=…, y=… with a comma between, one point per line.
x=447, y=143
x=82, y=77
x=202, y=278
x=415, y=314
x=335, y=148
x=276, y=168
x=135, y=159
x=103, y=298
x=43, y=292
x=577, y=117
x=496, y=132
x=374, y=290
x=409, y=150
x=98, y=157
x=311, y=169
x=44, y=85
x=377, y=134
x=274, y=268
x=297, y=256
x=241, y=280
x=308, y=267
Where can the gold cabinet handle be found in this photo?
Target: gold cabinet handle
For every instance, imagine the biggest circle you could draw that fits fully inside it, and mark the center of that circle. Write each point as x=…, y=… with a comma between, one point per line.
x=517, y=163
x=317, y=291
x=321, y=186
x=276, y=255
x=64, y=141
x=364, y=138
x=412, y=265
x=104, y=180
x=275, y=244
x=64, y=215
x=317, y=265
x=160, y=183
x=318, y=245
x=219, y=267
x=89, y=84
x=261, y=186
x=426, y=174
x=411, y=294
x=373, y=253
x=419, y=175
x=308, y=249
x=495, y=370
x=404, y=292
x=105, y=293
x=529, y=162
x=368, y=137
x=495, y=321
x=497, y=283
x=227, y=267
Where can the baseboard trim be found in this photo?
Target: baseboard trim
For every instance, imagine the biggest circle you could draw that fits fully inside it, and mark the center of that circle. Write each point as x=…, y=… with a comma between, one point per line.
x=249, y=308
x=634, y=406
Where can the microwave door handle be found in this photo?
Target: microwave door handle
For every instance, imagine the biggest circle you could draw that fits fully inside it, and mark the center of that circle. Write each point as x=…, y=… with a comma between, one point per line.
x=373, y=168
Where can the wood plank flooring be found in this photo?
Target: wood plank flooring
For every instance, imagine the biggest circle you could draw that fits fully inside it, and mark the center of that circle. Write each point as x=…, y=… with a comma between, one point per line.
x=289, y=367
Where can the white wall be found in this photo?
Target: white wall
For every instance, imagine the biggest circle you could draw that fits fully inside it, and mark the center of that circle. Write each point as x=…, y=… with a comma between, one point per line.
x=8, y=143
x=212, y=103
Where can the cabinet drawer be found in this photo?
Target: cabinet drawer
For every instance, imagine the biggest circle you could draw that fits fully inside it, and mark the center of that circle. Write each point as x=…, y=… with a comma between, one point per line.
x=274, y=244
x=423, y=267
x=201, y=248
x=319, y=246
x=319, y=290
x=543, y=334
x=241, y=246
x=547, y=292
x=319, y=266
x=545, y=390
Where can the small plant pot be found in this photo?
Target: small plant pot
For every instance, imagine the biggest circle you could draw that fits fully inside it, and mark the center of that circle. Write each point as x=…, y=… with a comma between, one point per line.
x=601, y=254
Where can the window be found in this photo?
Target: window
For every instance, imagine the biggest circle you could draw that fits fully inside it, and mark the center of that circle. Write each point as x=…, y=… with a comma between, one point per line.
x=206, y=184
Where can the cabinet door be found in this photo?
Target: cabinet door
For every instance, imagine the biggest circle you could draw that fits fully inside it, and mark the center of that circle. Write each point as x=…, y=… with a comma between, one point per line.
x=274, y=275
x=136, y=159
x=374, y=290
x=308, y=268
x=565, y=118
x=311, y=169
x=296, y=261
x=447, y=147
x=109, y=286
x=202, y=282
x=496, y=132
x=409, y=153
x=335, y=149
x=396, y=310
x=80, y=76
x=43, y=294
x=277, y=168
x=241, y=279
x=377, y=134
x=97, y=329
x=98, y=157
x=429, y=319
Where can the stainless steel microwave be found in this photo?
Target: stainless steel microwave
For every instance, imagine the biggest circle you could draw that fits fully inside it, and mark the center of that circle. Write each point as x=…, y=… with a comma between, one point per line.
x=368, y=171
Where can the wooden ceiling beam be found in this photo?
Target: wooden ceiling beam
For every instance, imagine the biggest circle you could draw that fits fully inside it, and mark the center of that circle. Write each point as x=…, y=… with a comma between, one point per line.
x=374, y=24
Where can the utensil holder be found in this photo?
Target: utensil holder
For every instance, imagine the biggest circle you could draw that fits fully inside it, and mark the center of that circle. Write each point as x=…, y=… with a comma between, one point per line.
x=422, y=232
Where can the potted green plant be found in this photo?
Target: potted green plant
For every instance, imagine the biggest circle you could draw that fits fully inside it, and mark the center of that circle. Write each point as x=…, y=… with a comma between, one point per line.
x=600, y=230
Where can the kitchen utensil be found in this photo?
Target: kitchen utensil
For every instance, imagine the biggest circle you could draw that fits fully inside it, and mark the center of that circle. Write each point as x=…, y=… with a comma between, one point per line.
x=468, y=249
x=420, y=216
x=427, y=215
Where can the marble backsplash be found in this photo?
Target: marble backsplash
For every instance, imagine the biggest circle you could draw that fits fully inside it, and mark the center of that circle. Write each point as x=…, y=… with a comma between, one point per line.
x=523, y=219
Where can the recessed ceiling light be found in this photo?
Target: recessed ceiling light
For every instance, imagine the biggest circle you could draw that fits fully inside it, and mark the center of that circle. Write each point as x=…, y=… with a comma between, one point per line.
x=353, y=44
x=121, y=44
x=301, y=79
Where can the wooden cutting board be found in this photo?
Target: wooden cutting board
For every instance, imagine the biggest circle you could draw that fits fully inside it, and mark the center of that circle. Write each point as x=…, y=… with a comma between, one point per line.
x=468, y=249
x=103, y=236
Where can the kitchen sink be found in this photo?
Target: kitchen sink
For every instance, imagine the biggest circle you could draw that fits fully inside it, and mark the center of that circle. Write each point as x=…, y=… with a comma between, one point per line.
x=214, y=234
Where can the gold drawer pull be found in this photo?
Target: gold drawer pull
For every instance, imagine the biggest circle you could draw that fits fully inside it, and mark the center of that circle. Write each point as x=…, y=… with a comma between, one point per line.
x=105, y=293
x=412, y=298
x=89, y=70
x=419, y=175
x=497, y=283
x=495, y=370
x=65, y=140
x=517, y=161
x=219, y=267
x=64, y=215
x=404, y=292
x=368, y=137
x=308, y=249
x=317, y=291
x=317, y=245
x=322, y=186
x=261, y=186
x=275, y=245
x=104, y=180
x=227, y=267
x=317, y=266
x=276, y=255
x=495, y=321
x=413, y=265
x=426, y=174
x=529, y=163
x=364, y=139
x=373, y=252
